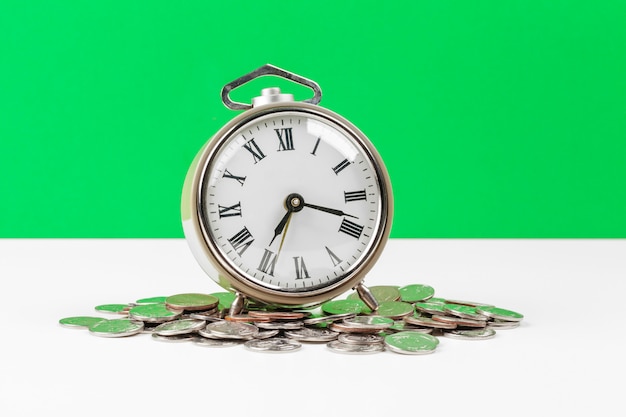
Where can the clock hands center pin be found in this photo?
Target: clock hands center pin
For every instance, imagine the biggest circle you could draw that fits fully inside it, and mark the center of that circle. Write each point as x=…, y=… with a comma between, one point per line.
x=295, y=203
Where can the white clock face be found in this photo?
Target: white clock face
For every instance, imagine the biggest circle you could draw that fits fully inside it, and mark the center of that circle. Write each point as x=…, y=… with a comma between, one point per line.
x=291, y=201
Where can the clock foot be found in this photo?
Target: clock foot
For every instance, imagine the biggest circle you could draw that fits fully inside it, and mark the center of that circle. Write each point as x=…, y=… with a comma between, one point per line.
x=237, y=306
x=367, y=297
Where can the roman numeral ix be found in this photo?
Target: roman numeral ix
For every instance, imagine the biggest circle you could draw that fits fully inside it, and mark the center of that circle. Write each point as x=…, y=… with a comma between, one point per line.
x=230, y=211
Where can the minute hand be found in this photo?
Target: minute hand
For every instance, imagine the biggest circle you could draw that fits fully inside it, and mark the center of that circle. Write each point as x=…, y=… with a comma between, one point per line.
x=329, y=210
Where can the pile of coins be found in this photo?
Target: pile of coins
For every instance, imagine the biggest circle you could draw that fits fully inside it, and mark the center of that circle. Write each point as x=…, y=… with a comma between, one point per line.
x=407, y=321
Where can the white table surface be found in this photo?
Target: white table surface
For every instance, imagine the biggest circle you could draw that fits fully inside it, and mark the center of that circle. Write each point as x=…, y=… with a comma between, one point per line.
x=567, y=358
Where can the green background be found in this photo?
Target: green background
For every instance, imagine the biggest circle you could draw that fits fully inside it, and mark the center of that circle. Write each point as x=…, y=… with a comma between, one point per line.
x=495, y=118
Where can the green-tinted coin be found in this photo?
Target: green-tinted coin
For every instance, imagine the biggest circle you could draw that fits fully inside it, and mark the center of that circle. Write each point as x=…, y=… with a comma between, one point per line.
x=113, y=308
x=430, y=308
x=151, y=300
x=411, y=343
x=343, y=306
x=80, y=322
x=153, y=313
x=464, y=311
x=225, y=299
x=499, y=313
x=394, y=309
x=116, y=328
x=192, y=301
x=416, y=292
x=381, y=293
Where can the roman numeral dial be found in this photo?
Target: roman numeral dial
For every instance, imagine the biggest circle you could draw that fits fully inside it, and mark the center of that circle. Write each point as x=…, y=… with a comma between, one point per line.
x=290, y=202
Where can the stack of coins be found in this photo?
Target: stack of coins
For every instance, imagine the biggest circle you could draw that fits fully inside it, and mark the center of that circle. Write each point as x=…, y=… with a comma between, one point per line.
x=408, y=320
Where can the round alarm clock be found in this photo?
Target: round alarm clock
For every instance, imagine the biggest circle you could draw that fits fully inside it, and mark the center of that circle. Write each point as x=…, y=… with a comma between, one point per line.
x=289, y=204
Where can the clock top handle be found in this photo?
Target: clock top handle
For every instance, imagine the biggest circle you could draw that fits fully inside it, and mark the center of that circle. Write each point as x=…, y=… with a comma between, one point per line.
x=268, y=69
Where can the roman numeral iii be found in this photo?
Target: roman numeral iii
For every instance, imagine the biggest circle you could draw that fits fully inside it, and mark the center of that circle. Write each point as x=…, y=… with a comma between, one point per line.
x=354, y=195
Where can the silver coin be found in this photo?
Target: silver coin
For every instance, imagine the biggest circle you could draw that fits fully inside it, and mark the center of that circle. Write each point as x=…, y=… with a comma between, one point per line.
x=266, y=334
x=411, y=343
x=339, y=347
x=116, y=328
x=276, y=344
x=280, y=325
x=210, y=335
x=428, y=322
x=231, y=330
x=500, y=313
x=176, y=327
x=341, y=327
x=201, y=341
x=480, y=334
x=278, y=315
x=459, y=321
x=360, y=339
x=401, y=326
x=328, y=319
x=80, y=322
x=187, y=337
x=503, y=324
x=370, y=322
x=209, y=315
x=153, y=313
x=312, y=335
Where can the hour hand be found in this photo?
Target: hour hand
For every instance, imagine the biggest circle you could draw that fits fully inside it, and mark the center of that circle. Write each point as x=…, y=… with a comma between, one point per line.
x=329, y=210
x=281, y=225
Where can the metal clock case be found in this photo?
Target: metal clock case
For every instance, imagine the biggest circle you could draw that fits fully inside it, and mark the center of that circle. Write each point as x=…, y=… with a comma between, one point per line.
x=289, y=204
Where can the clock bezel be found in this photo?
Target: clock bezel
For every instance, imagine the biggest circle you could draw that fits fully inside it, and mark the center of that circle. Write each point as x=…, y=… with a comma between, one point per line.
x=221, y=269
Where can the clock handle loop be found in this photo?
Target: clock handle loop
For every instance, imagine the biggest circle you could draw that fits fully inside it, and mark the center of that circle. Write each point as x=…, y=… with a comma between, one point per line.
x=268, y=69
